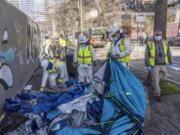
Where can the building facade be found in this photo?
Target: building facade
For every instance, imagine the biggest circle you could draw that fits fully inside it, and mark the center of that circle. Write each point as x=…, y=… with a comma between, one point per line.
x=35, y=9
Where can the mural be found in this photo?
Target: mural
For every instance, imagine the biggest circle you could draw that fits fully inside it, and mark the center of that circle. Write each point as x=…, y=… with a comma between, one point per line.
x=6, y=58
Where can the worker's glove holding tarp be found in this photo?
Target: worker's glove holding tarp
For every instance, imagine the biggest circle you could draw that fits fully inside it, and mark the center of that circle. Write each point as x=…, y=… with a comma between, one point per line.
x=75, y=64
x=115, y=57
x=149, y=68
x=94, y=63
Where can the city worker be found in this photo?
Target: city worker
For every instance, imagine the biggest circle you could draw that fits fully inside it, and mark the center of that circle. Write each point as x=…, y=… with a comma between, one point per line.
x=62, y=41
x=157, y=57
x=120, y=49
x=54, y=70
x=84, y=58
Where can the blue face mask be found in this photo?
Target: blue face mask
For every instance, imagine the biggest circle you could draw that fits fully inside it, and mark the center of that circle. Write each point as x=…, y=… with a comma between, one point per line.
x=115, y=39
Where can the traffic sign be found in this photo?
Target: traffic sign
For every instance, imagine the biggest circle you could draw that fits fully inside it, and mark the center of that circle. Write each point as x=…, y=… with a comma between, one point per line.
x=140, y=18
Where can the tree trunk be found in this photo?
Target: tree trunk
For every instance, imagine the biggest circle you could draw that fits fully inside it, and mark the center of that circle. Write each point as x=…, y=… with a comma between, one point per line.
x=160, y=20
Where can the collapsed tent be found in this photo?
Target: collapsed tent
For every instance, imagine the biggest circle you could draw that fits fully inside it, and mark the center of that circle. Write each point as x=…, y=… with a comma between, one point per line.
x=113, y=104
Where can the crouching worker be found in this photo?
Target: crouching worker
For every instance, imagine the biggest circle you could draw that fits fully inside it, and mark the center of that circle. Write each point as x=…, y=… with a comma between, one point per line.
x=54, y=70
x=84, y=58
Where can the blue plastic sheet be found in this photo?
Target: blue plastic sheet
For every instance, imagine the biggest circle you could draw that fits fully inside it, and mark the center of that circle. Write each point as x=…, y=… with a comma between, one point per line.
x=122, y=110
x=37, y=102
x=48, y=102
x=77, y=131
x=127, y=92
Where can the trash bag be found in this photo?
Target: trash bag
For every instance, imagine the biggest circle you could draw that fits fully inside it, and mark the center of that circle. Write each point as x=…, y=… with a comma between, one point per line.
x=11, y=121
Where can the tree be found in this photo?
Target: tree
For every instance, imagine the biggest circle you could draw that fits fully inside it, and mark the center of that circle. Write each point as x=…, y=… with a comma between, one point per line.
x=160, y=20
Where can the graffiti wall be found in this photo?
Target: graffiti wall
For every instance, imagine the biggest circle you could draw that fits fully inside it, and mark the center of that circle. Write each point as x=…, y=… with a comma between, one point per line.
x=19, y=49
x=6, y=58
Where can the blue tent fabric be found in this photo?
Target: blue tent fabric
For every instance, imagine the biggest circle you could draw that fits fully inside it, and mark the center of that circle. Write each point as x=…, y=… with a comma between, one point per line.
x=120, y=126
x=108, y=110
x=57, y=99
x=121, y=109
x=37, y=102
x=128, y=93
x=77, y=131
x=17, y=105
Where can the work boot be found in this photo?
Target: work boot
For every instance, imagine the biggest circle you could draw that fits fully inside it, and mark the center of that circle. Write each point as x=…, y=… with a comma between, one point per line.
x=158, y=98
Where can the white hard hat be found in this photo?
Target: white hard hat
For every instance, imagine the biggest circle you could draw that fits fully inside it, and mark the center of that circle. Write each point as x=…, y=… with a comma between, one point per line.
x=82, y=39
x=44, y=63
x=113, y=30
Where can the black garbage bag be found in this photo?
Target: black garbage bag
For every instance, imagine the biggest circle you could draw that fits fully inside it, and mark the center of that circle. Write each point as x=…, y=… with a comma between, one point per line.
x=11, y=121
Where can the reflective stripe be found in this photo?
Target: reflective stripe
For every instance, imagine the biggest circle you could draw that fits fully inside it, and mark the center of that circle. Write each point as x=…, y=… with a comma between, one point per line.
x=55, y=64
x=152, y=50
x=165, y=47
x=125, y=59
x=62, y=42
x=85, y=57
x=151, y=46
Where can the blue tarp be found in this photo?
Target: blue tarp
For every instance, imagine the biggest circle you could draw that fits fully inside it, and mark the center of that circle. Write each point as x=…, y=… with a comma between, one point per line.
x=44, y=101
x=124, y=103
x=120, y=111
x=127, y=93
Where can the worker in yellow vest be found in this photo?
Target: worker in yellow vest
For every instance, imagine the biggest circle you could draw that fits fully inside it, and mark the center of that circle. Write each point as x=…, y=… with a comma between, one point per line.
x=54, y=70
x=157, y=57
x=62, y=41
x=120, y=49
x=84, y=58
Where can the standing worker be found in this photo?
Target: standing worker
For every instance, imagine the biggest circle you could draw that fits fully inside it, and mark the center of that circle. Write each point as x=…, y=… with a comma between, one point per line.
x=157, y=57
x=120, y=49
x=84, y=58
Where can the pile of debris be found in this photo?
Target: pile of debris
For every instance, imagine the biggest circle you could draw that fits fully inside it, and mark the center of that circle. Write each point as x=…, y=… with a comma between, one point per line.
x=113, y=103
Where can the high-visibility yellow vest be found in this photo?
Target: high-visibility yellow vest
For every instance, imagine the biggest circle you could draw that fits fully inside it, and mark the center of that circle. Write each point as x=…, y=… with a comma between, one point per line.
x=55, y=64
x=152, y=50
x=62, y=42
x=125, y=59
x=85, y=57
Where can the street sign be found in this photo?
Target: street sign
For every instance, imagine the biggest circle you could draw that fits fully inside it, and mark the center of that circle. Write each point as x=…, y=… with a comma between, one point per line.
x=139, y=18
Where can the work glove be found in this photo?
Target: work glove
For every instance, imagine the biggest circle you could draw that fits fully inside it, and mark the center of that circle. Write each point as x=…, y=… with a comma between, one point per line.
x=75, y=64
x=95, y=63
x=114, y=57
x=41, y=89
x=170, y=66
x=149, y=68
x=109, y=55
x=60, y=81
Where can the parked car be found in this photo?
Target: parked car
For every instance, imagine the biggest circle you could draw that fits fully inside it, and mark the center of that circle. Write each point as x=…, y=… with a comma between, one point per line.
x=99, y=34
x=174, y=41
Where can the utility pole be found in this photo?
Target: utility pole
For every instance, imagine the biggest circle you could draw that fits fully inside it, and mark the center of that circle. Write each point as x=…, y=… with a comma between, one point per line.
x=81, y=14
x=179, y=28
x=160, y=20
